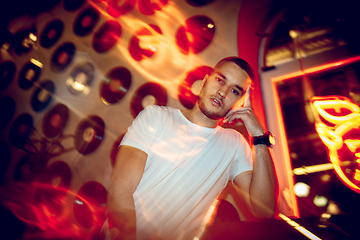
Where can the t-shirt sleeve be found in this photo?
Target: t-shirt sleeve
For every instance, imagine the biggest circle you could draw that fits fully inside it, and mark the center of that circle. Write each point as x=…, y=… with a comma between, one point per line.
x=243, y=158
x=141, y=133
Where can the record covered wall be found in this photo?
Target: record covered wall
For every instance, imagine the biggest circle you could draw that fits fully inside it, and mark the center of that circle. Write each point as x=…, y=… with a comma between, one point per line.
x=71, y=83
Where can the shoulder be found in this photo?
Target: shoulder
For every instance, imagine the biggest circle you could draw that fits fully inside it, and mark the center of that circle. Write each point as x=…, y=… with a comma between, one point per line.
x=156, y=109
x=232, y=134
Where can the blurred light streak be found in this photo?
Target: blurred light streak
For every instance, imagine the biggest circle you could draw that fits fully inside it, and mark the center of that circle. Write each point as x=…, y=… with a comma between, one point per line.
x=299, y=228
x=312, y=169
x=316, y=69
x=36, y=62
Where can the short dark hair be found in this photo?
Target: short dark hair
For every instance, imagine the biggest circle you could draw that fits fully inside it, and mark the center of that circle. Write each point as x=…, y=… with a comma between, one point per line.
x=244, y=65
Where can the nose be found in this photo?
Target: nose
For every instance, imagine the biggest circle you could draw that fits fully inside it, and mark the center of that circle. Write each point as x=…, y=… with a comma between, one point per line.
x=222, y=92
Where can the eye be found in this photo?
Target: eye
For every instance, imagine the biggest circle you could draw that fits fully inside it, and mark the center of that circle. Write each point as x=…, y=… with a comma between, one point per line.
x=236, y=92
x=219, y=80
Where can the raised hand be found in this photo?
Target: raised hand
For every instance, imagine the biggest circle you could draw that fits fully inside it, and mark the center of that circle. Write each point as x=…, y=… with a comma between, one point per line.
x=246, y=114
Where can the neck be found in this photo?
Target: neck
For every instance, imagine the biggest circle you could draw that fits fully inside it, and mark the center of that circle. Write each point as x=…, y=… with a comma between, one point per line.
x=195, y=115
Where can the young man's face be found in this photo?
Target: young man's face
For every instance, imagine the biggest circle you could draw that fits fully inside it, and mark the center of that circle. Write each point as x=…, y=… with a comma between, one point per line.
x=222, y=90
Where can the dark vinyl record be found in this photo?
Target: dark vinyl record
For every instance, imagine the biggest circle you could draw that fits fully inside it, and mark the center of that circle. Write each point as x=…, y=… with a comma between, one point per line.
x=81, y=78
x=115, y=149
x=107, y=36
x=73, y=5
x=20, y=130
x=89, y=134
x=7, y=72
x=24, y=170
x=29, y=74
x=115, y=85
x=56, y=180
x=62, y=57
x=5, y=157
x=55, y=120
x=148, y=89
x=86, y=21
x=51, y=33
x=198, y=3
x=42, y=96
x=7, y=109
x=185, y=95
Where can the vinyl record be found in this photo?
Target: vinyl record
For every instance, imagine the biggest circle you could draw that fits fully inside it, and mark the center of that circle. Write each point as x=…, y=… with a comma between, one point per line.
x=55, y=120
x=62, y=57
x=89, y=205
x=42, y=96
x=7, y=110
x=24, y=172
x=150, y=89
x=115, y=149
x=115, y=85
x=80, y=78
x=7, y=72
x=86, y=21
x=149, y=7
x=51, y=33
x=185, y=93
x=5, y=157
x=139, y=48
x=107, y=36
x=89, y=134
x=115, y=10
x=56, y=181
x=29, y=74
x=73, y=5
x=196, y=35
x=20, y=130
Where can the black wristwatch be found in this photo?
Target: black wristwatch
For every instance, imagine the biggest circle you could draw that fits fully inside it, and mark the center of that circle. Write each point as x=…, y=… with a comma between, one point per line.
x=266, y=139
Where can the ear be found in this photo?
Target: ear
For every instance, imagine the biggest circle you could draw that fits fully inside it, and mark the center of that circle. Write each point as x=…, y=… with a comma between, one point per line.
x=204, y=80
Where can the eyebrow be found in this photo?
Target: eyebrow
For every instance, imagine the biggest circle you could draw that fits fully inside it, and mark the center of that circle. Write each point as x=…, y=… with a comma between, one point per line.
x=237, y=86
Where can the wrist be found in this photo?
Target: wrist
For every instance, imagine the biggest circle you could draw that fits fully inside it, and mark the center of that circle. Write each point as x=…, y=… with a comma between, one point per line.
x=266, y=139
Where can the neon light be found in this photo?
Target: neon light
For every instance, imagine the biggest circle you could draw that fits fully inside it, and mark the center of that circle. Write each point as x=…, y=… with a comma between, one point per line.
x=333, y=131
x=312, y=169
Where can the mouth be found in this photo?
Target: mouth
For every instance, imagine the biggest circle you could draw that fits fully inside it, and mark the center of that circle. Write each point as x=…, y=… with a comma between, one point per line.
x=216, y=102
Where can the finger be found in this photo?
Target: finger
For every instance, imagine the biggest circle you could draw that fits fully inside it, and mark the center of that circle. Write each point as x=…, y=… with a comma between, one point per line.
x=247, y=102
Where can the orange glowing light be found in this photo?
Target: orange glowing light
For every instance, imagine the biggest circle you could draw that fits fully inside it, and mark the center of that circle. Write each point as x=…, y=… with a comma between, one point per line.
x=338, y=122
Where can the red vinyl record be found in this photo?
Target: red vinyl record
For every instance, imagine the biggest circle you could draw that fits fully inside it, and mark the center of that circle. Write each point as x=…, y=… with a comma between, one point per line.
x=154, y=90
x=55, y=120
x=89, y=134
x=115, y=85
x=185, y=94
x=115, y=10
x=202, y=31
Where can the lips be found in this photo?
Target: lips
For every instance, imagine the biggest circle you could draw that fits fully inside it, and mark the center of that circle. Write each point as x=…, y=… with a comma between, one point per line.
x=217, y=102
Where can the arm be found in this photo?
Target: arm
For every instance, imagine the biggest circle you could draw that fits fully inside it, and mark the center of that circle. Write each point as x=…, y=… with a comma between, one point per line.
x=259, y=186
x=126, y=175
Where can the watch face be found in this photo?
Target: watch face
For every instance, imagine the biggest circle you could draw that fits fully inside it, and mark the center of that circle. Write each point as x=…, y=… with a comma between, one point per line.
x=271, y=139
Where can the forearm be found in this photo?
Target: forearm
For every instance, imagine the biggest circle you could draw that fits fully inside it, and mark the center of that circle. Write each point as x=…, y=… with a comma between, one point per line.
x=122, y=216
x=264, y=185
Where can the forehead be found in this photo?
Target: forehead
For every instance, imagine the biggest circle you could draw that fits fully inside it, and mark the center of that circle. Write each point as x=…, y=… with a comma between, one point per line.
x=233, y=73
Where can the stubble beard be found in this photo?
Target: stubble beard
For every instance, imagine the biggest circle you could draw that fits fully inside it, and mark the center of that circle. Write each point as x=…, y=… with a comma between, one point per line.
x=208, y=113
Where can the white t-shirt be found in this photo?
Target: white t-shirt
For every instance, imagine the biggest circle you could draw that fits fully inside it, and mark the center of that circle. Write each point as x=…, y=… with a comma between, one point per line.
x=186, y=169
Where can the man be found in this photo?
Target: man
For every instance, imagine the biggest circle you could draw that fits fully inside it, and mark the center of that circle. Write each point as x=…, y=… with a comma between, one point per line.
x=173, y=164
